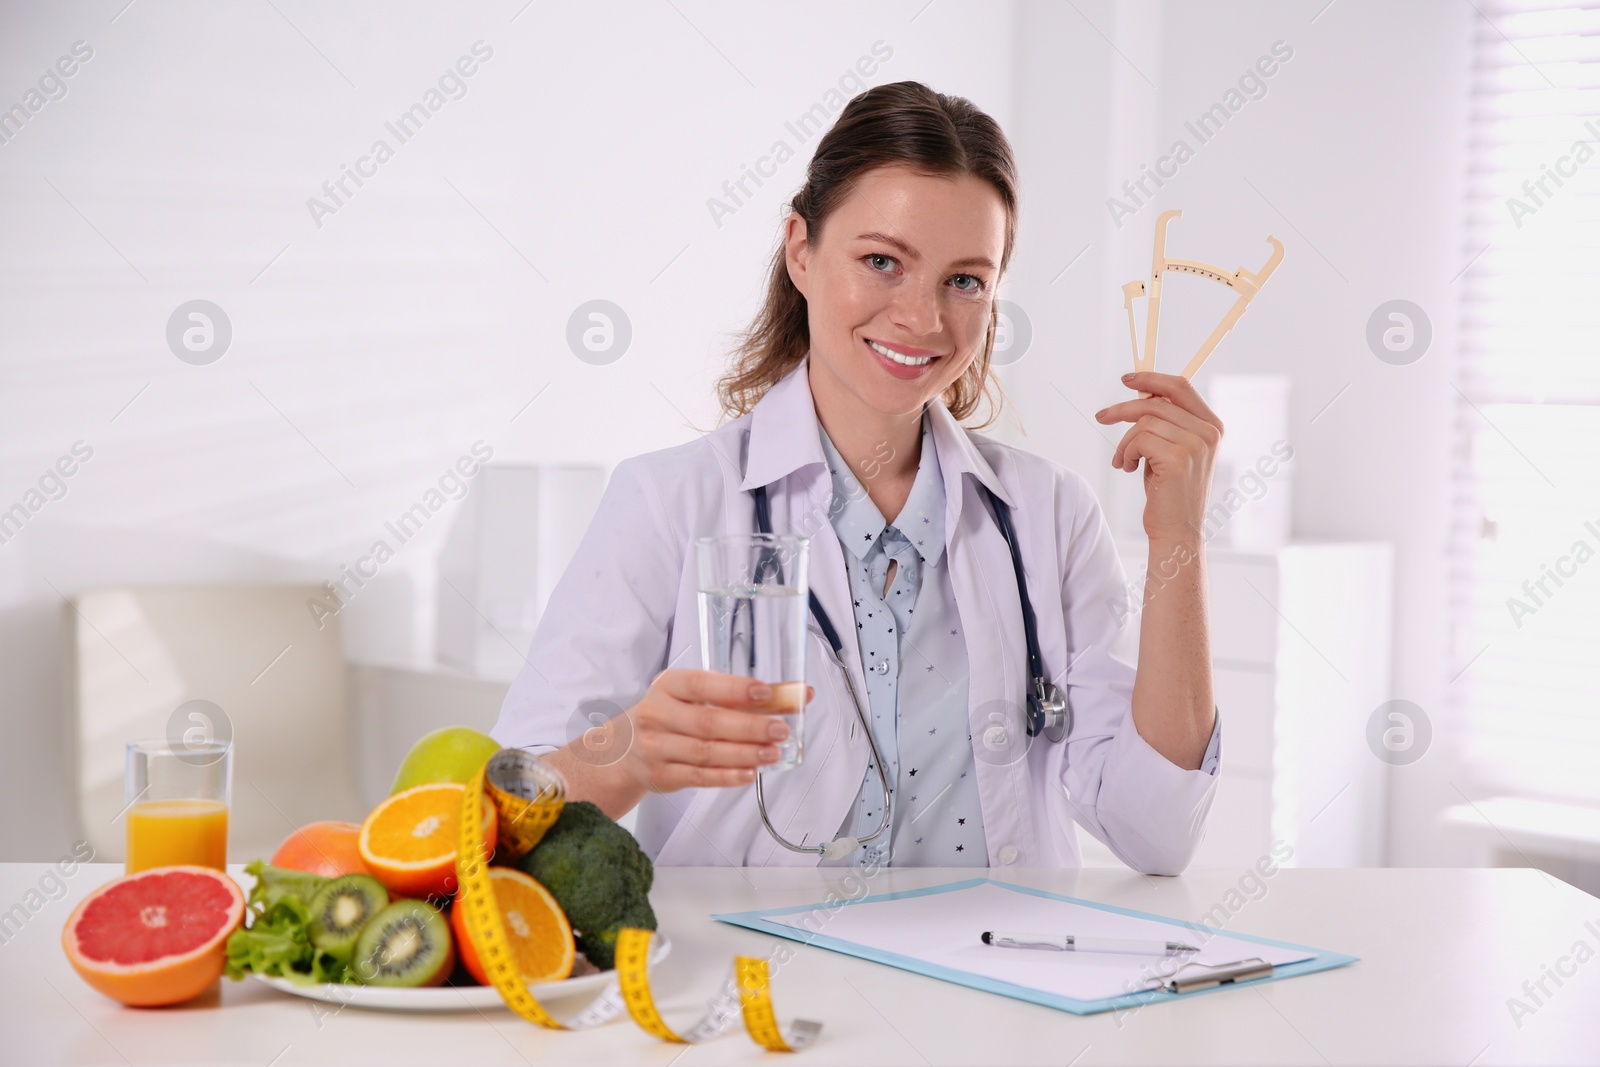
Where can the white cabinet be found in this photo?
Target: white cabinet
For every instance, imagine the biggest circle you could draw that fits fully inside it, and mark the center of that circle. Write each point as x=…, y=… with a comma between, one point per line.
x=1300, y=643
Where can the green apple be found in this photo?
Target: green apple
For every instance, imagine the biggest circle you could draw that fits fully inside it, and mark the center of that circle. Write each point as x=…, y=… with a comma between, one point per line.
x=450, y=754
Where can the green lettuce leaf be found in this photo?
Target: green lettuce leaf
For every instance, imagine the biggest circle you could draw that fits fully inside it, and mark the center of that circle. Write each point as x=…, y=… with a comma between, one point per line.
x=276, y=940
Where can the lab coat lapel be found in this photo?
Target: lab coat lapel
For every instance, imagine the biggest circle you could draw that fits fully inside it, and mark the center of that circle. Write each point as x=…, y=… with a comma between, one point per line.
x=987, y=601
x=808, y=804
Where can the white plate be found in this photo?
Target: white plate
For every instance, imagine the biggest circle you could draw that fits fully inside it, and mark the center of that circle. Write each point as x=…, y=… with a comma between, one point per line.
x=447, y=998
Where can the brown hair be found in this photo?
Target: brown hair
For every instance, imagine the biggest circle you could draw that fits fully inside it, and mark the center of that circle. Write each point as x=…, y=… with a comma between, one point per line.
x=904, y=123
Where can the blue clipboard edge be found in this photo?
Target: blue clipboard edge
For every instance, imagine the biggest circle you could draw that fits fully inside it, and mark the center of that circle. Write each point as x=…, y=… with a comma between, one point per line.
x=756, y=920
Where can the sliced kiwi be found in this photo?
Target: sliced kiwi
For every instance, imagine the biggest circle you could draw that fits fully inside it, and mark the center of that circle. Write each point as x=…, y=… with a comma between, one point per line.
x=406, y=944
x=341, y=908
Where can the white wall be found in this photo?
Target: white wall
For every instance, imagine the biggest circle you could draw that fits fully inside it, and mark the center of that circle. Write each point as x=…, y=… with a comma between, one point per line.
x=424, y=315
x=1355, y=156
x=376, y=349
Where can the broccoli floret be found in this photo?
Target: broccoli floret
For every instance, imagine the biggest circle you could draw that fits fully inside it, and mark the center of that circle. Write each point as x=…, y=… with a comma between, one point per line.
x=598, y=874
x=601, y=949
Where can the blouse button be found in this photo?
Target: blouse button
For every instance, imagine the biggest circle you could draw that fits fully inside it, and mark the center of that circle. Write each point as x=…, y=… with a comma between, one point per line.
x=882, y=667
x=1008, y=854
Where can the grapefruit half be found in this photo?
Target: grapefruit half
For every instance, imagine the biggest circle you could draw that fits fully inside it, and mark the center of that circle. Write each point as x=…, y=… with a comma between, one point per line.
x=156, y=937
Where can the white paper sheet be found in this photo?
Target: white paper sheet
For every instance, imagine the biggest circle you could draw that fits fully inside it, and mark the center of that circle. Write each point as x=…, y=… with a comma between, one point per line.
x=944, y=929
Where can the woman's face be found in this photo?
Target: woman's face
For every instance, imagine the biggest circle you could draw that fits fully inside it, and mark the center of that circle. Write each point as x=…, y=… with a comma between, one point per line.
x=907, y=262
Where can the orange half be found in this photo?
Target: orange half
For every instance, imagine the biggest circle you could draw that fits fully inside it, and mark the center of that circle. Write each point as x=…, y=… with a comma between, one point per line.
x=536, y=928
x=409, y=841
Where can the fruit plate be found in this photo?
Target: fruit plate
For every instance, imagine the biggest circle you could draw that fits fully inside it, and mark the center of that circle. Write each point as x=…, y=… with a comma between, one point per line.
x=448, y=998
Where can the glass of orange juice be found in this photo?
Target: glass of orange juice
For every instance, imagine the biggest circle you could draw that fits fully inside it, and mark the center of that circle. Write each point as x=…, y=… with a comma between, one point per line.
x=177, y=803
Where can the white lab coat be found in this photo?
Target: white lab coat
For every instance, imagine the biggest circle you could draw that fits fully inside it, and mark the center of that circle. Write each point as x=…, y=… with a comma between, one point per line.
x=626, y=608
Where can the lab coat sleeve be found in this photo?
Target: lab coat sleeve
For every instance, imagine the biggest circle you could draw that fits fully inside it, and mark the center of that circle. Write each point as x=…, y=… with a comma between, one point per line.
x=605, y=630
x=1146, y=809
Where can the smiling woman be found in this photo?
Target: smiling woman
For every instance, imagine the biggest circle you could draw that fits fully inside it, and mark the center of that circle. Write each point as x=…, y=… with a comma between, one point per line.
x=980, y=577
x=906, y=149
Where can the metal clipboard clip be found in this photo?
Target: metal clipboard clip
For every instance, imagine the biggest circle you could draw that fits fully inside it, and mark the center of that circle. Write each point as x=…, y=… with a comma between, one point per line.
x=1246, y=284
x=1214, y=975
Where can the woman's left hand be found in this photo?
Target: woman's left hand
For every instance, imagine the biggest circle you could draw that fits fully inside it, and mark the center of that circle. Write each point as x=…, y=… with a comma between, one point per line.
x=1176, y=434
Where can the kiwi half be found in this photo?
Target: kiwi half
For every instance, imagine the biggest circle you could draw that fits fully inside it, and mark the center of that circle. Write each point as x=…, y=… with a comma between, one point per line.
x=406, y=944
x=341, y=908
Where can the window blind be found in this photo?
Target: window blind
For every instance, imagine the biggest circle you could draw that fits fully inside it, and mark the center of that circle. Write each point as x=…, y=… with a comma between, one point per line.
x=1525, y=552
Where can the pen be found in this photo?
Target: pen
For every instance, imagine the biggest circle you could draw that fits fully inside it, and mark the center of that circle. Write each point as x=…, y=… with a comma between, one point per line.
x=1070, y=943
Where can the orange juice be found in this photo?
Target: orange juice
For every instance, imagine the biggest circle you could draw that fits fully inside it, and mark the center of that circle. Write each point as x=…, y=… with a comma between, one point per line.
x=166, y=832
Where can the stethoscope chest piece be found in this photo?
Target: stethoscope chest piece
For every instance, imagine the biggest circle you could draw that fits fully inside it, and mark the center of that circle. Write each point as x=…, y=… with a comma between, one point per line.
x=1048, y=712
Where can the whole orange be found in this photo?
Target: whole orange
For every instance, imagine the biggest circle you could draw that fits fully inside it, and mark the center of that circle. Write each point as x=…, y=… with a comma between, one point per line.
x=326, y=848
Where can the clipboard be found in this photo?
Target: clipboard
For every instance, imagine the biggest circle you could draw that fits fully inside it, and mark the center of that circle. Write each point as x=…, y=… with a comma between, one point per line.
x=1226, y=974
x=937, y=930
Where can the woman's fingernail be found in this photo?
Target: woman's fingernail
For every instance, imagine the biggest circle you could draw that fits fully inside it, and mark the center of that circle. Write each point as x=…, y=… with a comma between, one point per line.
x=748, y=774
x=1128, y=377
x=1100, y=414
x=778, y=731
x=760, y=692
x=769, y=755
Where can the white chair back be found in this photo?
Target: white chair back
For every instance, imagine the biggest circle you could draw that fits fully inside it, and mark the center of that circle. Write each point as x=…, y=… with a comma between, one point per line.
x=256, y=652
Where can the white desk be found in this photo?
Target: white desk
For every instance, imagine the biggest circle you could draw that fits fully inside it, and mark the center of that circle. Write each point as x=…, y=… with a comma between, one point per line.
x=1407, y=1001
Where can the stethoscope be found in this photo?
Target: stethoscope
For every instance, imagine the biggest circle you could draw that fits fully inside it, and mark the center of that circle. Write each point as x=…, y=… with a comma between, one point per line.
x=1048, y=712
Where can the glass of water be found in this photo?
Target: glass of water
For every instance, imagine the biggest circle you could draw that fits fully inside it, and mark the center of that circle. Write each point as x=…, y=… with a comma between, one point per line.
x=753, y=599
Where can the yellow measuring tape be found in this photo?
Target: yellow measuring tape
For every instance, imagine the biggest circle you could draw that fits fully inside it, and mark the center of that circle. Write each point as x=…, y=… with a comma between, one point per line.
x=528, y=796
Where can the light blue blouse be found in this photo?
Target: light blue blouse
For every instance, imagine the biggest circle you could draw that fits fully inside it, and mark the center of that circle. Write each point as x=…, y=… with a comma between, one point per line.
x=915, y=657
x=916, y=672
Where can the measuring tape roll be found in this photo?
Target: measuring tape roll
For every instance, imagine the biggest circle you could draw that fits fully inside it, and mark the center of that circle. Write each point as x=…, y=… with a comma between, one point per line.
x=528, y=796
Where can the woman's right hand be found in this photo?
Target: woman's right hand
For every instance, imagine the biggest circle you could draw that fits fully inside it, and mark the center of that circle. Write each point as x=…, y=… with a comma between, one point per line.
x=692, y=729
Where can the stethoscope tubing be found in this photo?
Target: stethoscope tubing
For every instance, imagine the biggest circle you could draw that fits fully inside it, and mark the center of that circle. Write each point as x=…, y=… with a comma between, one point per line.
x=1047, y=705
x=764, y=523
